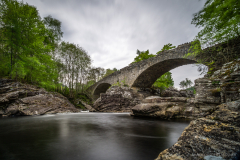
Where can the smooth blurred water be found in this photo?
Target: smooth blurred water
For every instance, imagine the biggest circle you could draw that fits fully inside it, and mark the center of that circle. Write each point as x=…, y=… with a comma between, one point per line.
x=86, y=136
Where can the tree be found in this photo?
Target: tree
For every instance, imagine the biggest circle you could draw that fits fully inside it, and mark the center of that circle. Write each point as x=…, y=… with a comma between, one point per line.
x=142, y=55
x=186, y=83
x=95, y=74
x=166, y=47
x=76, y=65
x=219, y=20
x=109, y=71
x=30, y=51
x=164, y=82
x=26, y=55
x=182, y=84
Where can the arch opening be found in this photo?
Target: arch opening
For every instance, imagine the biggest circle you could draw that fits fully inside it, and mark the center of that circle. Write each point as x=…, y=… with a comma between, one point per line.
x=151, y=74
x=101, y=88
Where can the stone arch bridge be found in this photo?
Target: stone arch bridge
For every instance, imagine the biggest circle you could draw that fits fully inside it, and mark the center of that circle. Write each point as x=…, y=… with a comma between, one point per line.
x=144, y=73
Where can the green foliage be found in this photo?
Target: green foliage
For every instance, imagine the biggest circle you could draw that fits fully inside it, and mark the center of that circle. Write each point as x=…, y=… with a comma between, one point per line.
x=76, y=64
x=195, y=49
x=116, y=84
x=26, y=56
x=166, y=47
x=95, y=74
x=186, y=83
x=84, y=98
x=192, y=89
x=30, y=51
x=142, y=55
x=120, y=84
x=215, y=92
x=219, y=20
x=164, y=82
x=54, y=30
x=110, y=71
x=215, y=82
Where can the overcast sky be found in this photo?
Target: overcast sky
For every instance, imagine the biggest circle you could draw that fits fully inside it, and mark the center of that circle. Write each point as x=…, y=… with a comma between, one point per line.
x=112, y=30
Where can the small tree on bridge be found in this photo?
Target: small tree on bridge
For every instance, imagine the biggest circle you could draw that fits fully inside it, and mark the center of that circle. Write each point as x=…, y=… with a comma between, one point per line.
x=165, y=81
x=166, y=47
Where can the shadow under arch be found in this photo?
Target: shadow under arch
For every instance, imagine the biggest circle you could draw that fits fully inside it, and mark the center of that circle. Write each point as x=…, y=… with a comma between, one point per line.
x=101, y=88
x=152, y=73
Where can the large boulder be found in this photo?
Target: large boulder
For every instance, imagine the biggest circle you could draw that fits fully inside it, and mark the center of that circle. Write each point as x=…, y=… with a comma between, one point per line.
x=173, y=92
x=171, y=107
x=213, y=137
x=23, y=99
x=119, y=99
x=170, y=92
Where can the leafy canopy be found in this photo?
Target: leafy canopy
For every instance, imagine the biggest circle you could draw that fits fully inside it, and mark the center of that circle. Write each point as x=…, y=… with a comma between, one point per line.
x=142, y=55
x=186, y=83
x=220, y=20
x=24, y=52
x=166, y=47
x=163, y=82
x=110, y=71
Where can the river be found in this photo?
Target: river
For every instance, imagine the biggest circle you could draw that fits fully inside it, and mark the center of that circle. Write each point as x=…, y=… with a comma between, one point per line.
x=86, y=136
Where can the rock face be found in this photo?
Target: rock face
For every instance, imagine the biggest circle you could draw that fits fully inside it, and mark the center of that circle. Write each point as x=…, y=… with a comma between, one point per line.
x=118, y=99
x=228, y=78
x=214, y=137
x=23, y=99
x=172, y=107
x=172, y=92
x=203, y=104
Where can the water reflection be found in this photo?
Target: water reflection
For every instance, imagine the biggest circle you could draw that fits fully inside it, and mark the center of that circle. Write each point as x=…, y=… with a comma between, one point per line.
x=86, y=136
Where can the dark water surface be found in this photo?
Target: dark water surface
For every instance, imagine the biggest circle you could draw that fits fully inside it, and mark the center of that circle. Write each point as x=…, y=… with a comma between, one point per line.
x=86, y=136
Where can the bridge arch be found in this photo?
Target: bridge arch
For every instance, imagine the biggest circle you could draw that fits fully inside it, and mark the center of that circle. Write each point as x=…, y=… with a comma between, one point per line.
x=101, y=88
x=152, y=73
x=144, y=73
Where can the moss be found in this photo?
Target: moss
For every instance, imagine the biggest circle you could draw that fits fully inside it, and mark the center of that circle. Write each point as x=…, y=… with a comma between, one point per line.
x=84, y=98
x=215, y=92
x=230, y=83
x=215, y=82
x=214, y=118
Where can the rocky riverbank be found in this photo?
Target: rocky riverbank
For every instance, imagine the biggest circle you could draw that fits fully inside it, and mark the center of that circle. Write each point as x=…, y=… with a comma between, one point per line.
x=119, y=99
x=217, y=136
x=23, y=99
x=172, y=108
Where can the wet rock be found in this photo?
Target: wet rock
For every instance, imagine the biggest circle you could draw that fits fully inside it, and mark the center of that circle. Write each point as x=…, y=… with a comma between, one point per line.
x=207, y=91
x=118, y=99
x=23, y=99
x=173, y=92
x=170, y=92
x=186, y=93
x=172, y=107
x=228, y=78
x=215, y=136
